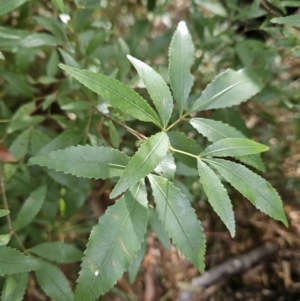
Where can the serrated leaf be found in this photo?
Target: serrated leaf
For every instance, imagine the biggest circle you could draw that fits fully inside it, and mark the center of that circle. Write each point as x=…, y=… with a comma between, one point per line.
x=185, y=144
x=234, y=147
x=59, y=252
x=293, y=20
x=12, y=262
x=7, y=6
x=228, y=89
x=4, y=212
x=31, y=207
x=260, y=193
x=134, y=267
x=85, y=161
x=181, y=58
x=159, y=229
x=15, y=287
x=157, y=88
x=167, y=167
x=149, y=155
x=118, y=94
x=179, y=219
x=118, y=235
x=19, y=147
x=54, y=283
x=217, y=195
x=216, y=130
x=64, y=140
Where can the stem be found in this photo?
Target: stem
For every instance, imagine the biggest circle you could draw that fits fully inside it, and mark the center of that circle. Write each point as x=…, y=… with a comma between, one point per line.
x=182, y=152
x=177, y=121
x=9, y=222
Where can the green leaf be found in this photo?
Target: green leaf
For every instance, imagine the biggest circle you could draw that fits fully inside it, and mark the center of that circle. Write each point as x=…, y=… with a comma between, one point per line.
x=64, y=140
x=68, y=59
x=149, y=155
x=215, y=130
x=234, y=147
x=19, y=147
x=12, y=262
x=118, y=94
x=2, y=57
x=85, y=161
x=259, y=192
x=167, y=167
x=15, y=287
x=185, y=144
x=212, y=6
x=59, y=252
x=24, y=123
x=227, y=89
x=31, y=207
x=76, y=105
x=157, y=88
x=40, y=39
x=6, y=6
x=159, y=229
x=59, y=4
x=293, y=20
x=54, y=283
x=4, y=239
x=38, y=141
x=4, y=212
x=134, y=267
x=118, y=235
x=179, y=219
x=217, y=195
x=114, y=135
x=181, y=58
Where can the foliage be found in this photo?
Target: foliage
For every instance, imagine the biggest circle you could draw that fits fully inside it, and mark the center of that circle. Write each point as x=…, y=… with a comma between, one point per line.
x=72, y=117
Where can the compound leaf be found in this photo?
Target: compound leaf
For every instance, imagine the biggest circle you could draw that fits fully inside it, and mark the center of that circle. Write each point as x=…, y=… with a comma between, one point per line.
x=85, y=161
x=157, y=88
x=12, y=262
x=149, y=155
x=234, y=147
x=118, y=235
x=256, y=189
x=227, y=89
x=217, y=195
x=179, y=219
x=181, y=58
x=57, y=251
x=31, y=207
x=118, y=94
x=54, y=283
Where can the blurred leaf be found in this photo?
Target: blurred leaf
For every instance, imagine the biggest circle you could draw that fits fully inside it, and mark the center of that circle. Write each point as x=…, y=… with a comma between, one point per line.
x=68, y=59
x=20, y=146
x=234, y=147
x=181, y=58
x=39, y=39
x=4, y=239
x=157, y=88
x=76, y=105
x=179, y=219
x=30, y=208
x=38, y=141
x=15, y=287
x=159, y=229
x=4, y=212
x=6, y=6
x=24, y=123
x=85, y=161
x=213, y=6
x=259, y=192
x=2, y=57
x=116, y=93
x=149, y=155
x=53, y=282
x=114, y=135
x=217, y=196
x=13, y=262
x=118, y=235
x=227, y=89
x=52, y=64
x=52, y=25
x=59, y=252
x=290, y=20
x=59, y=4
x=167, y=167
x=134, y=267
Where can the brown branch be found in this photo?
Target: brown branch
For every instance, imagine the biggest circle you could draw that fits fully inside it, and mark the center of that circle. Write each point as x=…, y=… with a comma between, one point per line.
x=228, y=268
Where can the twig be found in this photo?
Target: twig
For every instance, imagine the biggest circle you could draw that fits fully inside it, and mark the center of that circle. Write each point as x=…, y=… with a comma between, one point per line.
x=227, y=269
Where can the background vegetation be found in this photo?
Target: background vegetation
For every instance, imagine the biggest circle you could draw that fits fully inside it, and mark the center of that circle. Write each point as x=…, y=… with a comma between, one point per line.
x=43, y=110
